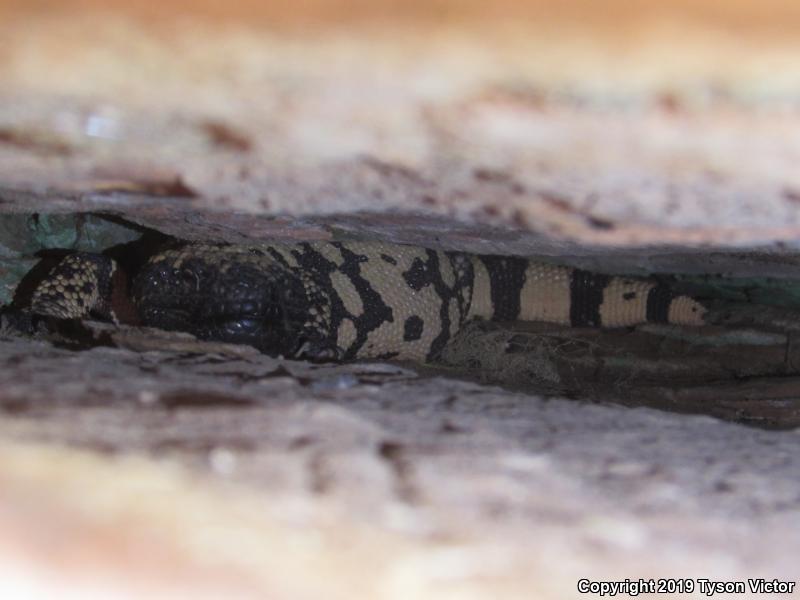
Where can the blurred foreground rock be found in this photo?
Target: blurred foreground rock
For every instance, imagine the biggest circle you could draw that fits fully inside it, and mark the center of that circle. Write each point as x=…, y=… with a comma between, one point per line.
x=201, y=472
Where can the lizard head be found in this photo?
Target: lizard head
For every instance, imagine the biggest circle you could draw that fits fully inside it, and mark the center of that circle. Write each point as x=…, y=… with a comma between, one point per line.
x=230, y=294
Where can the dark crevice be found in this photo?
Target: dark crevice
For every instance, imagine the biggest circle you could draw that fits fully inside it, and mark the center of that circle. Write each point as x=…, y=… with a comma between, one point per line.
x=735, y=377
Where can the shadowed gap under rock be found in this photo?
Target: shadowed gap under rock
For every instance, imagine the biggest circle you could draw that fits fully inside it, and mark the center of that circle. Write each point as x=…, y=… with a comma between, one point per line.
x=742, y=367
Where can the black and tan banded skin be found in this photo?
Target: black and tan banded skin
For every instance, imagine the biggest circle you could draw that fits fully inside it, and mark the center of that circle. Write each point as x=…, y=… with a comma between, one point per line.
x=350, y=300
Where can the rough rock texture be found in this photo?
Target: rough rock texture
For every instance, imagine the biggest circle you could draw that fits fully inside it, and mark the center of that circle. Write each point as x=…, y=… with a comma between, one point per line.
x=372, y=479
x=599, y=127
x=623, y=136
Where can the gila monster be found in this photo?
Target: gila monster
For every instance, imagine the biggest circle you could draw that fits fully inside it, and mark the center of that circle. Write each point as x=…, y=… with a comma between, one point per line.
x=347, y=300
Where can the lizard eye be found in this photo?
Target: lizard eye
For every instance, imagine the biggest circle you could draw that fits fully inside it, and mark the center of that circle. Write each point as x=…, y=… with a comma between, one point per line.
x=189, y=278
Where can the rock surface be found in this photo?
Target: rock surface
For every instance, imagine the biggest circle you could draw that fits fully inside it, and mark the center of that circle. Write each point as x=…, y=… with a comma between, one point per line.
x=370, y=477
x=630, y=137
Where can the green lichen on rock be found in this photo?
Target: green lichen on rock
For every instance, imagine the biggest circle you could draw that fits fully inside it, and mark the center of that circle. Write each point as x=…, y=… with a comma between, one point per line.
x=22, y=236
x=768, y=291
x=12, y=270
